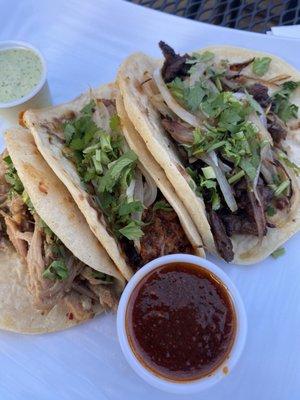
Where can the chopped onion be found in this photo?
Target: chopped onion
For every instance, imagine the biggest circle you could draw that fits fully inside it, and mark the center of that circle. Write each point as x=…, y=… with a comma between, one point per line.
x=172, y=104
x=212, y=160
x=101, y=115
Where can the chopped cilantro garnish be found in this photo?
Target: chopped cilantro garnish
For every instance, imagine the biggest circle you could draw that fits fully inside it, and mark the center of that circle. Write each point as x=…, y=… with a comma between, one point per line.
x=208, y=172
x=236, y=177
x=56, y=270
x=128, y=208
x=278, y=253
x=116, y=170
x=282, y=156
x=102, y=162
x=201, y=57
x=281, y=101
x=12, y=177
x=281, y=187
x=260, y=66
x=28, y=202
x=132, y=230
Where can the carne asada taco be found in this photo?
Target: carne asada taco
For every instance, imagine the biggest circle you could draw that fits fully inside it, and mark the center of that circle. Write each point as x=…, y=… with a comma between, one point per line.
x=135, y=216
x=223, y=124
x=68, y=274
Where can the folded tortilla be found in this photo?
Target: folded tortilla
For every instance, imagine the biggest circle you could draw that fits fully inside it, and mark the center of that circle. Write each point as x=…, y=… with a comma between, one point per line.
x=146, y=120
x=46, y=127
x=26, y=292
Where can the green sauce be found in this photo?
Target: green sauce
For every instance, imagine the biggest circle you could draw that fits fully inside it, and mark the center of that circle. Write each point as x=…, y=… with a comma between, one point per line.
x=20, y=72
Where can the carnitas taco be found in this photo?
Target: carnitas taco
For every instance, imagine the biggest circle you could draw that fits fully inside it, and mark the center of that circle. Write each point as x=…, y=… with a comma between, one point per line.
x=223, y=124
x=58, y=274
x=123, y=193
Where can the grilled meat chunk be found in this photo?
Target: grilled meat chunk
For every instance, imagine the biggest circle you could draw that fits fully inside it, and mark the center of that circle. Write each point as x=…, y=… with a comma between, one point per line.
x=276, y=128
x=260, y=94
x=239, y=224
x=174, y=65
x=222, y=241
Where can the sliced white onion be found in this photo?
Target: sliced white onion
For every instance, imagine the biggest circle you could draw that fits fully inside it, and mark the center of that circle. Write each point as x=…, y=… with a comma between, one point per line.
x=263, y=133
x=172, y=103
x=150, y=188
x=130, y=190
x=224, y=167
x=212, y=160
x=198, y=71
x=267, y=172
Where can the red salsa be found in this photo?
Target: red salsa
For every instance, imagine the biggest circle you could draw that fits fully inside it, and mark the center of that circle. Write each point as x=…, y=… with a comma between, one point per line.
x=181, y=322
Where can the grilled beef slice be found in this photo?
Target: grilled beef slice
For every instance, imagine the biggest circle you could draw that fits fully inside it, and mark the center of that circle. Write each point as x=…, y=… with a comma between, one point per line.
x=222, y=241
x=260, y=94
x=276, y=127
x=174, y=64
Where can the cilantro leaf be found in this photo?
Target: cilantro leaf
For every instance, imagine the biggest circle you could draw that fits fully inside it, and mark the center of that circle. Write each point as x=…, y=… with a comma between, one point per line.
x=12, y=177
x=28, y=202
x=296, y=168
x=201, y=57
x=56, y=270
x=260, y=66
x=113, y=174
x=281, y=101
x=128, y=208
x=278, y=253
x=89, y=109
x=132, y=230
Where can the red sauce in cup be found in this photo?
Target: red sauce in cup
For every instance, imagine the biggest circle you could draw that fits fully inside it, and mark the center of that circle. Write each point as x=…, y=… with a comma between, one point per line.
x=181, y=322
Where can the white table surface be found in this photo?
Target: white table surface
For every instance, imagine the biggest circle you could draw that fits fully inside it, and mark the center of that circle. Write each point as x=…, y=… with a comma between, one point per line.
x=83, y=43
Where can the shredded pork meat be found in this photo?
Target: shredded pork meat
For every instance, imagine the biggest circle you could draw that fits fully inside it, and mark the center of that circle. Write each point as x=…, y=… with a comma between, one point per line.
x=81, y=295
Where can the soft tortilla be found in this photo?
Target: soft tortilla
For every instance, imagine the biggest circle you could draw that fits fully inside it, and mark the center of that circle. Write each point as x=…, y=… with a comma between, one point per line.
x=147, y=122
x=42, y=125
x=17, y=313
x=54, y=204
x=148, y=162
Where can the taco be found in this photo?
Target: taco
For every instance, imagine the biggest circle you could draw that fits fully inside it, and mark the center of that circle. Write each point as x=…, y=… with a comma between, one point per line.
x=123, y=193
x=68, y=275
x=223, y=124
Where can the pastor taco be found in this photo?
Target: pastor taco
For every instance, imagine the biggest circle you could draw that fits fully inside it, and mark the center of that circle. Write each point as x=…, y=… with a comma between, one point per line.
x=223, y=124
x=123, y=193
x=68, y=275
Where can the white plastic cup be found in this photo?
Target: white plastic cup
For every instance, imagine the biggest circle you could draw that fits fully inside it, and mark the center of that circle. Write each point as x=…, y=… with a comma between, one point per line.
x=185, y=387
x=38, y=97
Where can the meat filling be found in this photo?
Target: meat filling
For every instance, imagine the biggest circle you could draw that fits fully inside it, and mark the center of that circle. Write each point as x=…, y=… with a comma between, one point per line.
x=39, y=247
x=174, y=65
x=163, y=235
